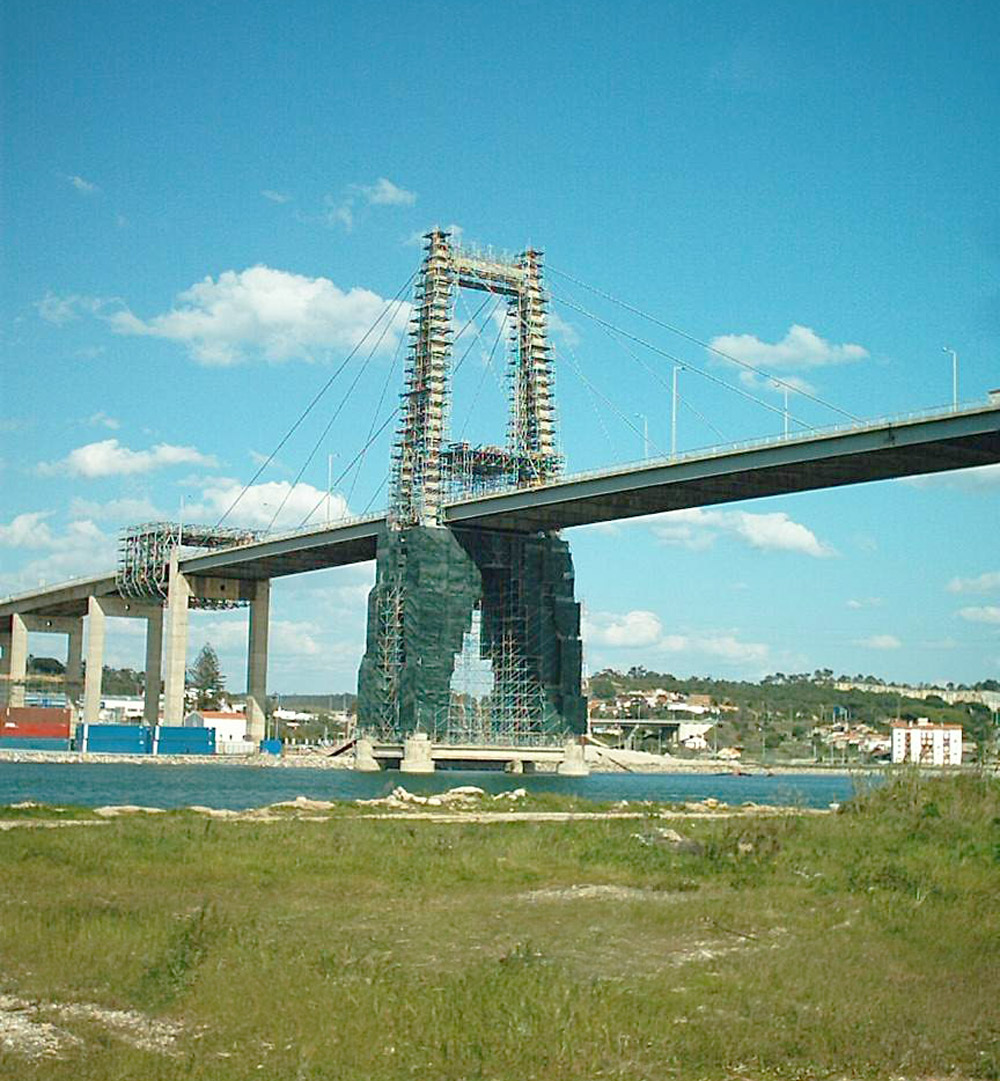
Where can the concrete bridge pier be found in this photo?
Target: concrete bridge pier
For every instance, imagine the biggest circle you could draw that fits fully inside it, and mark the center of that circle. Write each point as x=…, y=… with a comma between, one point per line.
x=260, y=606
x=98, y=611
x=15, y=662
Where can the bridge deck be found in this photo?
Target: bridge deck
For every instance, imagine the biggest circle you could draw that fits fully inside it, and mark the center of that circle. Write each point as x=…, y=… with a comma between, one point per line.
x=930, y=444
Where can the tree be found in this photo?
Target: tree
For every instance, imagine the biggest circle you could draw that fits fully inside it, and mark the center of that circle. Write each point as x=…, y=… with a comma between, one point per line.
x=206, y=677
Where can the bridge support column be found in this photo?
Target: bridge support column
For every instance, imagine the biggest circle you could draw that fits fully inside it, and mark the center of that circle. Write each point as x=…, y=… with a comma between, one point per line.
x=95, y=661
x=154, y=664
x=74, y=660
x=178, y=597
x=260, y=607
x=417, y=754
x=18, y=665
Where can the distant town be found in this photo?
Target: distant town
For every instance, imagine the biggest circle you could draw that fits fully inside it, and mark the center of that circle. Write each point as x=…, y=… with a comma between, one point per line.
x=784, y=719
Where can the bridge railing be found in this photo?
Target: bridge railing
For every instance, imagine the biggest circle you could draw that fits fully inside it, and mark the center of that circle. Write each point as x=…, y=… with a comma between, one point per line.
x=719, y=450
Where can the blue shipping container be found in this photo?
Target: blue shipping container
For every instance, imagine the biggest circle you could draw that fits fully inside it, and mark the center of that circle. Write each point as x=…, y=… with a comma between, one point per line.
x=114, y=738
x=270, y=746
x=177, y=740
x=38, y=743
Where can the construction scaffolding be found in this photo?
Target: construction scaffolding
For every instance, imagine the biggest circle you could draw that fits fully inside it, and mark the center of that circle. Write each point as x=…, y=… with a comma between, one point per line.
x=464, y=599
x=144, y=553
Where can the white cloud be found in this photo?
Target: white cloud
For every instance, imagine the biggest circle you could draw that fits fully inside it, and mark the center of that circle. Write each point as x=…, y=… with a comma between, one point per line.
x=85, y=187
x=340, y=213
x=989, y=613
x=865, y=602
x=564, y=331
x=980, y=478
x=880, y=641
x=697, y=529
x=58, y=310
x=384, y=193
x=276, y=196
x=259, y=504
x=101, y=419
x=984, y=583
x=273, y=313
x=108, y=458
x=640, y=629
x=27, y=531
x=82, y=550
x=801, y=348
x=117, y=510
x=633, y=629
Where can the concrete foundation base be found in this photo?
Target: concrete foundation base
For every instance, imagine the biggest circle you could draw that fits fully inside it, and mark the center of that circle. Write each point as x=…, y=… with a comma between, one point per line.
x=573, y=764
x=364, y=757
x=417, y=754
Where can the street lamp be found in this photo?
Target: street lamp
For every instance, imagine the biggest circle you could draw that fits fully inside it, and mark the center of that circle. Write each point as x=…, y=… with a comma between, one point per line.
x=645, y=434
x=954, y=374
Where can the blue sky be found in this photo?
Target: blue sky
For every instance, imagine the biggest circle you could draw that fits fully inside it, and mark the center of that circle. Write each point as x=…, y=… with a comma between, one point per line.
x=205, y=205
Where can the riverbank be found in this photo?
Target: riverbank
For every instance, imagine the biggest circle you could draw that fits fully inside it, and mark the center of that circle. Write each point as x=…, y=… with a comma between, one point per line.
x=302, y=942
x=599, y=760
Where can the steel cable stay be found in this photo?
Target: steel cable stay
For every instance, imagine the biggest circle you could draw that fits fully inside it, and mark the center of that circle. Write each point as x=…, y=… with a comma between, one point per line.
x=390, y=306
x=375, y=412
x=774, y=379
x=688, y=366
x=685, y=367
x=373, y=435
x=329, y=424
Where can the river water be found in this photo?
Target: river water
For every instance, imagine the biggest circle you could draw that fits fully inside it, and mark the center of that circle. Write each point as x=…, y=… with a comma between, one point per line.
x=238, y=787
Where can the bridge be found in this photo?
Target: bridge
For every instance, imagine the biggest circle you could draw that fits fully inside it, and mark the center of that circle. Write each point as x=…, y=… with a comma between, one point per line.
x=490, y=544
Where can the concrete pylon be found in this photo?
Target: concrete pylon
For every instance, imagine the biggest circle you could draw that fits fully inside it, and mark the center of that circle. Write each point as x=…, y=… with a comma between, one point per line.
x=16, y=660
x=260, y=606
x=364, y=757
x=417, y=757
x=95, y=661
x=178, y=598
x=573, y=764
x=154, y=665
x=74, y=659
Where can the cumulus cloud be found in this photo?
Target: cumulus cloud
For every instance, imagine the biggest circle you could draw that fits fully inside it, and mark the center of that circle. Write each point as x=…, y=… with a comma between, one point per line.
x=984, y=583
x=83, y=549
x=108, y=458
x=640, y=629
x=800, y=349
x=259, y=504
x=270, y=313
x=27, y=531
x=384, y=193
x=880, y=641
x=989, y=613
x=697, y=528
x=636, y=628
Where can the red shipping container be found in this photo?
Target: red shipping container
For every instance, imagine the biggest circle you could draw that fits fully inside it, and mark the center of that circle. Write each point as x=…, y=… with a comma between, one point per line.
x=34, y=722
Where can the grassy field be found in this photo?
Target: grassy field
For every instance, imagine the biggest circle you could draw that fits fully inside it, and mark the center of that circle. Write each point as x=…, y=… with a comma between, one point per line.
x=861, y=944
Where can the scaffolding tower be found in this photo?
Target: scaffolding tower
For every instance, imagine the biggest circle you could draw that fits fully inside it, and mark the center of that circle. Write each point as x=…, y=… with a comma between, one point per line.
x=440, y=594
x=144, y=553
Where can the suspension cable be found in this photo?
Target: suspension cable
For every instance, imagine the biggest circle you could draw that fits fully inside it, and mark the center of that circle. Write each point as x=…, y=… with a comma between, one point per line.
x=389, y=306
x=777, y=380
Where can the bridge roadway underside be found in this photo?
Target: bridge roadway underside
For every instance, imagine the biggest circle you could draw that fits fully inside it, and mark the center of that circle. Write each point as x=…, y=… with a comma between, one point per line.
x=929, y=445
x=954, y=441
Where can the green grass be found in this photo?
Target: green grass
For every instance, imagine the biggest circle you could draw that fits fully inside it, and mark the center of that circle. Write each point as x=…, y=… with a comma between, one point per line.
x=862, y=944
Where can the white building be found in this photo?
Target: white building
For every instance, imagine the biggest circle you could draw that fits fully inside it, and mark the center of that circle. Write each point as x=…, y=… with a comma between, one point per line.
x=230, y=729
x=927, y=744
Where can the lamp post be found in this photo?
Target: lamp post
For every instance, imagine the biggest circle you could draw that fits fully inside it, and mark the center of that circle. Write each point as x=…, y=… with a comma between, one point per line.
x=645, y=434
x=954, y=374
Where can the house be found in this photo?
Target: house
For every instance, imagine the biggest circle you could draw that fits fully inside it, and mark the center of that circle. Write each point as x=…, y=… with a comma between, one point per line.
x=927, y=744
x=230, y=729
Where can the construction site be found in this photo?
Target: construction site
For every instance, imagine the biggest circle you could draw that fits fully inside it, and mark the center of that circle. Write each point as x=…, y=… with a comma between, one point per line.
x=473, y=634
